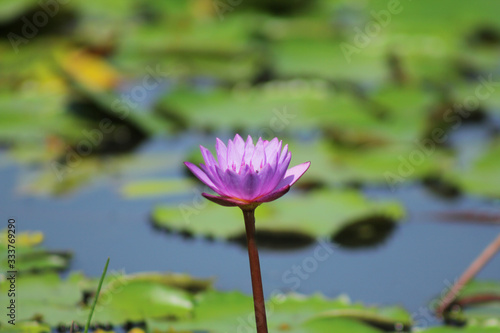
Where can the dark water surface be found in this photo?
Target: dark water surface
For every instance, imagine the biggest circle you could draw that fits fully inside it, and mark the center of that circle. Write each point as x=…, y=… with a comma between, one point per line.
x=424, y=255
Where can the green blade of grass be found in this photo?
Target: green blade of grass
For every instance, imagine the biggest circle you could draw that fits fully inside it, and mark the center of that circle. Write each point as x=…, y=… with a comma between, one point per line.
x=96, y=296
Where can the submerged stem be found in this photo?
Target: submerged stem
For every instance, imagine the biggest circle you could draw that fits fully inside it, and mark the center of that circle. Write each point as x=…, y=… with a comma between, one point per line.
x=253, y=256
x=471, y=271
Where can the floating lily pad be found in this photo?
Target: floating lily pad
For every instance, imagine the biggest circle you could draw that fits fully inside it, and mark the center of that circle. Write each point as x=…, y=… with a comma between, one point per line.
x=40, y=260
x=31, y=118
x=462, y=330
x=136, y=300
x=25, y=327
x=29, y=256
x=10, y=9
x=477, y=304
x=23, y=238
x=175, y=280
x=47, y=297
x=95, y=79
x=151, y=188
x=390, y=165
x=219, y=312
x=54, y=301
x=73, y=171
x=307, y=58
x=481, y=178
x=317, y=214
x=390, y=116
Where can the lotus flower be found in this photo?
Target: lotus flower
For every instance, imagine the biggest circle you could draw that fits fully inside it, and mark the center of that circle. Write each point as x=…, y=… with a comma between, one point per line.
x=247, y=174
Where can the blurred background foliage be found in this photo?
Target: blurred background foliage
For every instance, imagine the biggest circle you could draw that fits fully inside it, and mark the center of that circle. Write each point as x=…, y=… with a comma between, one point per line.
x=373, y=80
x=377, y=94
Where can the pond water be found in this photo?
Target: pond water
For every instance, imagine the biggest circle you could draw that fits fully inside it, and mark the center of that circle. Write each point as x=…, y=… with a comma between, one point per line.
x=419, y=261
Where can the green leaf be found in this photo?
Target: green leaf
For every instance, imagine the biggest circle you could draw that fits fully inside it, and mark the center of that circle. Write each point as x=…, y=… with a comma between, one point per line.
x=25, y=327
x=47, y=297
x=389, y=165
x=319, y=213
x=481, y=177
x=29, y=256
x=41, y=260
x=151, y=188
x=221, y=312
x=138, y=299
x=462, y=330
x=479, y=304
x=52, y=300
x=75, y=171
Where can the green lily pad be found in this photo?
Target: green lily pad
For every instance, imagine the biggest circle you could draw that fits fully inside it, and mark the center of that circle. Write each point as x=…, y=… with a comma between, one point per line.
x=25, y=327
x=40, y=260
x=29, y=256
x=73, y=171
x=151, y=188
x=481, y=178
x=52, y=300
x=219, y=312
x=47, y=297
x=391, y=165
x=284, y=105
x=477, y=304
x=32, y=118
x=175, y=280
x=10, y=10
x=462, y=330
x=319, y=213
x=307, y=58
x=136, y=300
x=475, y=288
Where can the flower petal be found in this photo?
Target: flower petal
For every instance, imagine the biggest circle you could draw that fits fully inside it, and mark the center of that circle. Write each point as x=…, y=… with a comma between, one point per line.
x=221, y=149
x=250, y=184
x=201, y=175
x=223, y=201
x=272, y=147
x=266, y=175
x=249, y=149
x=235, y=151
x=239, y=142
x=293, y=174
x=207, y=157
x=283, y=155
x=274, y=195
x=273, y=150
x=214, y=177
x=232, y=181
x=280, y=171
x=259, y=156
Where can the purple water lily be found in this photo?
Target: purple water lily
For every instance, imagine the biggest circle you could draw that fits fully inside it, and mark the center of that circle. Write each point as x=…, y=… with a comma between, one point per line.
x=247, y=174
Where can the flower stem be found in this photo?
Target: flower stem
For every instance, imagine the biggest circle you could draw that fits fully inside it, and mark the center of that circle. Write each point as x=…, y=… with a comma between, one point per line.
x=253, y=256
x=471, y=271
